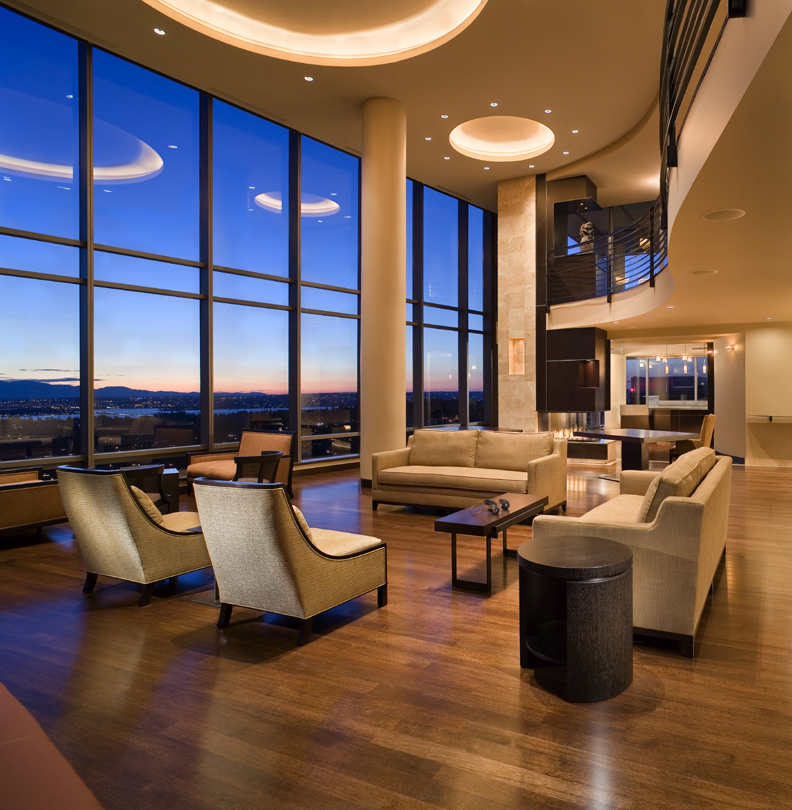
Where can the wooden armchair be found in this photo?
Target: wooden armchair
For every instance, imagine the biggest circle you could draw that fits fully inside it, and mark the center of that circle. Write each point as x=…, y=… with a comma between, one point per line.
x=704, y=440
x=222, y=466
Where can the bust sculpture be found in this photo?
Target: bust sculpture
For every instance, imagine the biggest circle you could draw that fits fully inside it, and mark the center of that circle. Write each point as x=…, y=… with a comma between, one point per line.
x=586, y=237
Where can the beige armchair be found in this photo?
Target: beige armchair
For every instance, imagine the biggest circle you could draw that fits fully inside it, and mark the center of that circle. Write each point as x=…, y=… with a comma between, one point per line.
x=704, y=440
x=222, y=466
x=265, y=557
x=119, y=538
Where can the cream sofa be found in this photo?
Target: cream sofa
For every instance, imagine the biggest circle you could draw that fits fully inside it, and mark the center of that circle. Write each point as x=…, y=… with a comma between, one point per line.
x=676, y=524
x=457, y=468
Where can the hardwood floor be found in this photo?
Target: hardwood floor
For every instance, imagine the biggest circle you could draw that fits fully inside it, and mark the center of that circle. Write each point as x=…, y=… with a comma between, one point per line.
x=420, y=704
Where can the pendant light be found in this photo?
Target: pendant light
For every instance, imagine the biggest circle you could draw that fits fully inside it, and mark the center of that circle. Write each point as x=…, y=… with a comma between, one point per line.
x=666, y=360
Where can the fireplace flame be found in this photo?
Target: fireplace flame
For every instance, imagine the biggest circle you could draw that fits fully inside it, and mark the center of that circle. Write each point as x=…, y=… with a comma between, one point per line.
x=564, y=433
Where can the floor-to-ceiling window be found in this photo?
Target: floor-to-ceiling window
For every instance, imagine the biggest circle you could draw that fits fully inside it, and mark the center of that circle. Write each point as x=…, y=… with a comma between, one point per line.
x=175, y=269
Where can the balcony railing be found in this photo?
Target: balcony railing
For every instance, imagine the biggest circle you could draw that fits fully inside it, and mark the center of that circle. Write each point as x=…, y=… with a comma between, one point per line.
x=610, y=263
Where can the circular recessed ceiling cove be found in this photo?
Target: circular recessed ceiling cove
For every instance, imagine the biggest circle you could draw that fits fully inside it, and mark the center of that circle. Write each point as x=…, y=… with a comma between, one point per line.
x=310, y=204
x=347, y=32
x=723, y=214
x=502, y=138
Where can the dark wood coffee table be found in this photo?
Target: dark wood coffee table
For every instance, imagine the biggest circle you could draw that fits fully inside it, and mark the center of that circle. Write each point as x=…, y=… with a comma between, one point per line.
x=478, y=521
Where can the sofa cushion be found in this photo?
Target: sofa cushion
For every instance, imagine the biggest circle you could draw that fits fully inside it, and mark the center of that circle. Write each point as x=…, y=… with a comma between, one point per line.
x=446, y=448
x=148, y=505
x=648, y=499
x=223, y=470
x=621, y=509
x=464, y=478
x=511, y=451
x=678, y=480
x=338, y=544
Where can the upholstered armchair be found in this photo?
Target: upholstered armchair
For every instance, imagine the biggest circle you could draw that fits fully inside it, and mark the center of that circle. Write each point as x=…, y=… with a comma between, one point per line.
x=121, y=533
x=266, y=557
x=704, y=440
x=223, y=467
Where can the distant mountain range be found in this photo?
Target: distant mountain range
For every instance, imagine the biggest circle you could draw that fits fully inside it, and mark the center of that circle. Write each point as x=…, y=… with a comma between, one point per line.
x=32, y=389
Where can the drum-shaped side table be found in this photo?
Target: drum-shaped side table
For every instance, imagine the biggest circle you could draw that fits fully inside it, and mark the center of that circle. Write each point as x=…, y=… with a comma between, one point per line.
x=576, y=616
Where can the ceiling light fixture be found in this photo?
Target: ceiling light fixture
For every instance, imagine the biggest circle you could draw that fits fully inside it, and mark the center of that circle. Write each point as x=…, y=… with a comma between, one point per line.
x=159, y=31
x=444, y=116
x=723, y=214
x=768, y=319
x=446, y=158
x=566, y=153
x=308, y=78
x=486, y=168
x=547, y=112
x=427, y=139
x=531, y=166
x=575, y=131
x=387, y=33
x=501, y=138
x=493, y=104
x=669, y=307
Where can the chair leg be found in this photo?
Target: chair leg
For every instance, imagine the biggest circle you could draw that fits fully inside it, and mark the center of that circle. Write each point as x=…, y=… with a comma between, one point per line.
x=689, y=646
x=374, y=505
x=146, y=593
x=90, y=582
x=382, y=595
x=305, y=631
x=225, y=615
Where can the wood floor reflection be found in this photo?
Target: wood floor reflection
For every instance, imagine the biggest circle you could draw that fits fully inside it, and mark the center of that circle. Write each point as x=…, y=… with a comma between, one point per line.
x=420, y=704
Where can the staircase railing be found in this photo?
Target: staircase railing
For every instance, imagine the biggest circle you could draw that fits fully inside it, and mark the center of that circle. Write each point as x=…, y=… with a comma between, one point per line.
x=610, y=263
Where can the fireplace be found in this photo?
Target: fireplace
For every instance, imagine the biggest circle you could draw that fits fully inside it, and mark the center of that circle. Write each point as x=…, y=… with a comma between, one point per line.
x=564, y=425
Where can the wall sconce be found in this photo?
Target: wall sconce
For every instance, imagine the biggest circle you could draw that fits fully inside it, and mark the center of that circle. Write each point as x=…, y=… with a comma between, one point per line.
x=729, y=348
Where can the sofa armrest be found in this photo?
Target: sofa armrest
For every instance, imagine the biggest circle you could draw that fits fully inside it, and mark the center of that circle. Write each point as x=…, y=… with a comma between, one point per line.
x=386, y=460
x=197, y=458
x=636, y=482
x=548, y=475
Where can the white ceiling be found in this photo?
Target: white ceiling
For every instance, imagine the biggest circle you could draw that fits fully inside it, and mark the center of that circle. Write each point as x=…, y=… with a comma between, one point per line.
x=595, y=65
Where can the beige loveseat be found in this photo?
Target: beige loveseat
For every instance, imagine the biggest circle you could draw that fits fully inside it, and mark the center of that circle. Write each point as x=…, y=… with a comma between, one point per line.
x=676, y=524
x=457, y=468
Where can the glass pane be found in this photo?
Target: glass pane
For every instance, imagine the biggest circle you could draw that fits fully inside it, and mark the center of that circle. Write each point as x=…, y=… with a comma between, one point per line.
x=409, y=312
x=409, y=285
x=636, y=380
x=336, y=445
x=441, y=248
x=251, y=188
x=329, y=300
x=476, y=322
x=475, y=258
x=675, y=384
x=441, y=317
x=476, y=378
x=39, y=368
x=145, y=272
x=702, y=367
x=39, y=257
x=409, y=378
x=329, y=375
x=251, y=387
x=146, y=361
x=329, y=222
x=441, y=377
x=39, y=133
x=247, y=288
x=145, y=160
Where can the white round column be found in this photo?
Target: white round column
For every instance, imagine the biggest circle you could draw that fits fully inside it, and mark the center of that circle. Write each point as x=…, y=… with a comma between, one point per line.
x=383, y=277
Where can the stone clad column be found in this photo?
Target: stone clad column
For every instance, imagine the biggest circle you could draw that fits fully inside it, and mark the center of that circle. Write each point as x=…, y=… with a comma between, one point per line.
x=383, y=278
x=517, y=304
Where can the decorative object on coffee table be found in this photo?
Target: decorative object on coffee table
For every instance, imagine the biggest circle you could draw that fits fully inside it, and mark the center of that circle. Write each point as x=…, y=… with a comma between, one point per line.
x=576, y=616
x=478, y=520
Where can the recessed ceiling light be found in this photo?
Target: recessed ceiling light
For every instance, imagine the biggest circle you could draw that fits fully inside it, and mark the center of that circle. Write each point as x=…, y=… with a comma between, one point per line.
x=575, y=131
x=648, y=316
x=615, y=321
x=444, y=116
x=669, y=307
x=308, y=78
x=320, y=220
x=70, y=95
x=723, y=214
x=768, y=319
x=566, y=153
x=548, y=112
x=251, y=187
x=486, y=168
x=446, y=158
x=427, y=139
x=493, y=104
x=333, y=193
x=159, y=31
x=531, y=166
x=703, y=272
x=172, y=146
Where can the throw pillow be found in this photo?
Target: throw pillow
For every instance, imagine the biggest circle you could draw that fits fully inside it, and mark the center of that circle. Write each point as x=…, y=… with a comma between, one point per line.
x=511, y=451
x=303, y=523
x=648, y=498
x=148, y=505
x=444, y=448
x=681, y=478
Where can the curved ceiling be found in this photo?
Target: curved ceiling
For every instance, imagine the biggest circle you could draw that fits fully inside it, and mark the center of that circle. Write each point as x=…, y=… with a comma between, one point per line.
x=594, y=65
x=502, y=138
x=344, y=32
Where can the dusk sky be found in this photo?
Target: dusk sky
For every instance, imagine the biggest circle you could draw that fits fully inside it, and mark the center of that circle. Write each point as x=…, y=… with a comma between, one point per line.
x=146, y=136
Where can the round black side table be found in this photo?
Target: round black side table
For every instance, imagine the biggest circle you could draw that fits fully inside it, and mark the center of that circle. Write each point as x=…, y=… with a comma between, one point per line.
x=576, y=616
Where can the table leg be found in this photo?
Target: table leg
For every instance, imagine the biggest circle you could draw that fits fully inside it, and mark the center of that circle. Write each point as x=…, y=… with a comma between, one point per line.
x=469, y=584
x=635, y=456
x=508, y=552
